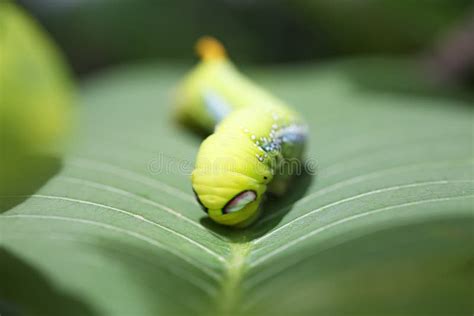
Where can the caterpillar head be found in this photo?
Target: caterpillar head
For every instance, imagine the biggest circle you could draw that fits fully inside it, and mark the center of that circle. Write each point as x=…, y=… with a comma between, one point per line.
x=229, y=182
x=229, y=198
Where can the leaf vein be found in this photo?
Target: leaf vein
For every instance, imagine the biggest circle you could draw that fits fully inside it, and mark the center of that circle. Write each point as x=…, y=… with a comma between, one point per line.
x=136, y=216
x=266, y=257
x=128, y=174
x=357, y=179
x=137, y=197
x=387, y=189
x=136, y=235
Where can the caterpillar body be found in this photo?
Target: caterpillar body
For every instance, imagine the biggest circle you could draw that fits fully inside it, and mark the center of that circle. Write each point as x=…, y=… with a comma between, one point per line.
x=254, y=135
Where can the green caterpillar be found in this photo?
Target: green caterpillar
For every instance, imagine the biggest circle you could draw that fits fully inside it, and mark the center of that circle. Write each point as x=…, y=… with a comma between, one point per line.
x=255, y=137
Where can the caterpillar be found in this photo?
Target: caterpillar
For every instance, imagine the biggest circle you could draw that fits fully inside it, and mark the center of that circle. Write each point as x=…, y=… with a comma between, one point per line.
x=257, y=141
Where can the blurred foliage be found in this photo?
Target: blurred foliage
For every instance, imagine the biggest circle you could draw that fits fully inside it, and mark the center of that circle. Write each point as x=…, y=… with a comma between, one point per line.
x=36, y=95
x=100, y=32
x=110, y=31
x=368, y=26
x=36, y=87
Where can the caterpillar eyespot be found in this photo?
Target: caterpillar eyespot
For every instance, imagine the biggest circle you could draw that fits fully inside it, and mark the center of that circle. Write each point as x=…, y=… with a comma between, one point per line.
x=254, y=133
x=239, y=201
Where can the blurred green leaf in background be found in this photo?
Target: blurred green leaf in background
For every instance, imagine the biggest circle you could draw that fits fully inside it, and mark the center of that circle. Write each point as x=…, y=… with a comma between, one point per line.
x=36, y=95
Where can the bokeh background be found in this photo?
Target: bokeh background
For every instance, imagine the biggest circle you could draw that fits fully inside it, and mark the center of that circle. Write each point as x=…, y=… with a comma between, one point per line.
x=100, y=33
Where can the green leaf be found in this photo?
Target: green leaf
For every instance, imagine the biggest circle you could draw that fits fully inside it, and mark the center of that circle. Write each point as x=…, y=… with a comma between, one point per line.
x=384, y=227
x=36, y=88
x=36, y=98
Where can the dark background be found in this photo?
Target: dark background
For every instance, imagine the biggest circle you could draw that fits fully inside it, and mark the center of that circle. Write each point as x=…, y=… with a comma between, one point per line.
x=99, y=33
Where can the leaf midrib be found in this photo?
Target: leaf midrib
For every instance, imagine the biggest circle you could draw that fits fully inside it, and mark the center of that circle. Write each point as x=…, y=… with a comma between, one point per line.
x=236, y=265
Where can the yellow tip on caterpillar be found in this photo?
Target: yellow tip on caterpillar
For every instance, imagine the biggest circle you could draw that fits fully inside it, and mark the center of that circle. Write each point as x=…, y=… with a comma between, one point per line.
x=209, y=48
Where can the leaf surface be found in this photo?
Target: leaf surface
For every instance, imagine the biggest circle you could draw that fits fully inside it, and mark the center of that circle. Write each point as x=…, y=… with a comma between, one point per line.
x=385, y=226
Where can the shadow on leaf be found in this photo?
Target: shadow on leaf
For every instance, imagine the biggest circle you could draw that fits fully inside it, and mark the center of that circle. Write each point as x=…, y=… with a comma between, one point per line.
x=274, y=209
x=22, y=175
x=26, y=291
